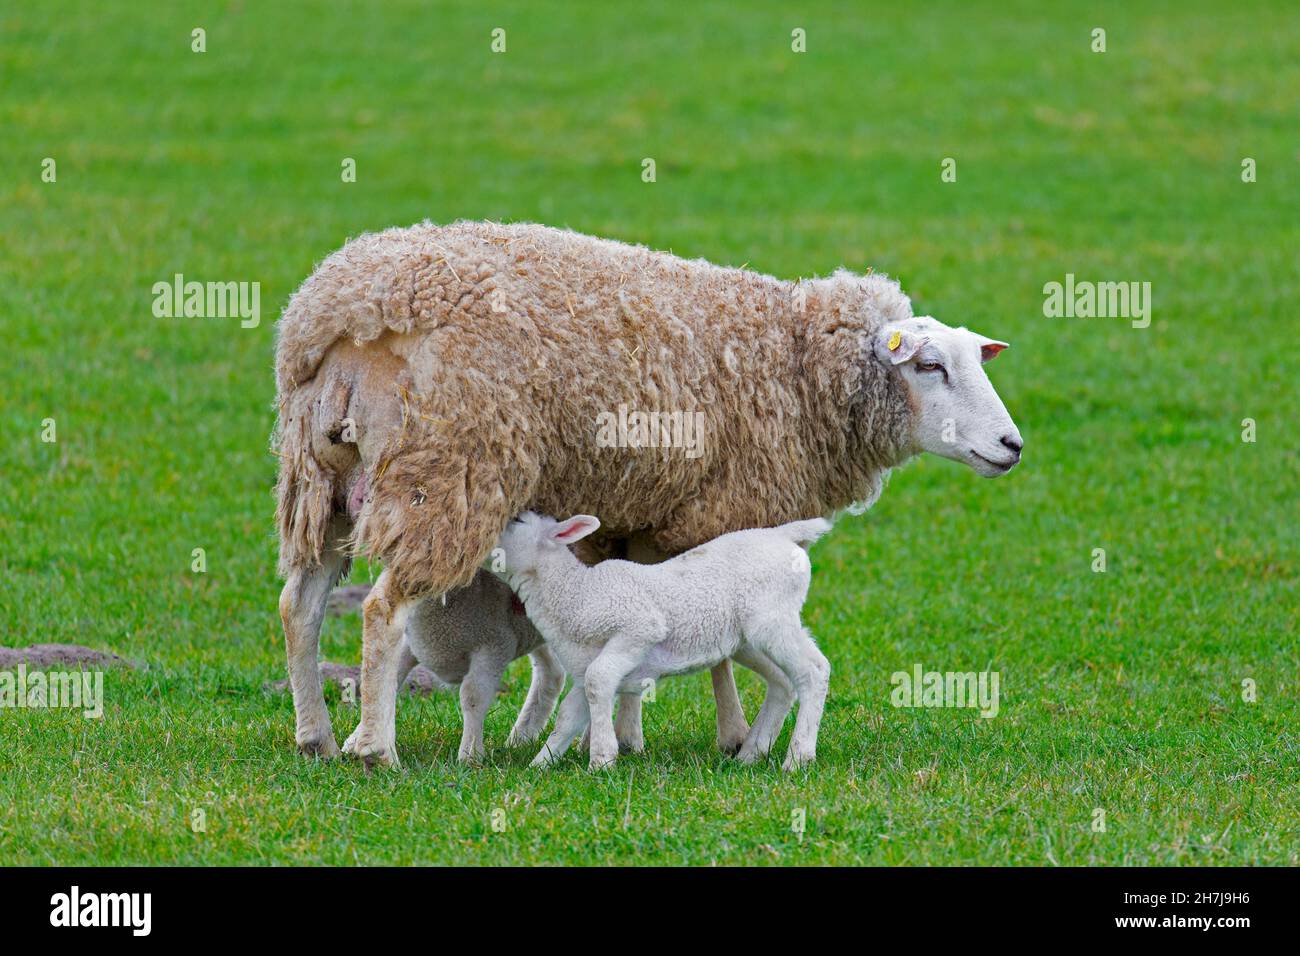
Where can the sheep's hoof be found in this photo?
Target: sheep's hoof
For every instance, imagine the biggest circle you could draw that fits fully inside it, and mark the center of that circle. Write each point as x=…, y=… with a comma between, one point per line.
x=634, y=746
x=323, y=747
x=749, y=755
x=374, y=754
x=471, y=758
x=383, y=758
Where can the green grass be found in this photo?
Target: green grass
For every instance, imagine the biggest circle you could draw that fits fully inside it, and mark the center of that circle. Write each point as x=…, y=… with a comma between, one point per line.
x=1120, y=691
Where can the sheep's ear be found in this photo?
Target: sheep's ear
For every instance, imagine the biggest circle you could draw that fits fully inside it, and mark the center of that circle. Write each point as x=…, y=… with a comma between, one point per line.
x=574, y=529
x=896, y=346
x=989, y=348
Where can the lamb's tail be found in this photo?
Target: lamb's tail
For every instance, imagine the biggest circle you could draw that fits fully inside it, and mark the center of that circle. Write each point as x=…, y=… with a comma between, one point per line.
x=804, y=533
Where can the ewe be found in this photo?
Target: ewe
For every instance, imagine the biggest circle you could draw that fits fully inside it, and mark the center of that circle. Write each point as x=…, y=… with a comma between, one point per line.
x=435, y=381
x=618, y=624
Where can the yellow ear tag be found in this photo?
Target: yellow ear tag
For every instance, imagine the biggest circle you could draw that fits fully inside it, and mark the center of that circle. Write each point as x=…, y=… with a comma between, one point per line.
x=895, y=340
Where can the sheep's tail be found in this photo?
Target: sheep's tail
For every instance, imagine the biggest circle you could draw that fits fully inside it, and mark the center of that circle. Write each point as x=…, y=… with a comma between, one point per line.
x=304, y=498
x=307, y=491
x=804, y=533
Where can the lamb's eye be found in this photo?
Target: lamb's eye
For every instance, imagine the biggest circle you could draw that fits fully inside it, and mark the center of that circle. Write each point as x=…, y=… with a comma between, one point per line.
x=929, y=366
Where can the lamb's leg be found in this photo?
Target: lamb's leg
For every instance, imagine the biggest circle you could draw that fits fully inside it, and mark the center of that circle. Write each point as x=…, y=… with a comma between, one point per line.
x=385, y=613
x=793, y=650
x=627, y=727
x=732, y=728
x=477, y=691
x=406, y=663
x=543, y=692
x=776, y=705
x=618, y=658
x=569, y=723
x=302, y=608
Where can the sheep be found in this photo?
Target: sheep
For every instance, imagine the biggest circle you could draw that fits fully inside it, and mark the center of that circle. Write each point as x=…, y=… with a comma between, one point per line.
x=435, y=381
x=618, y=624
x=469, y=640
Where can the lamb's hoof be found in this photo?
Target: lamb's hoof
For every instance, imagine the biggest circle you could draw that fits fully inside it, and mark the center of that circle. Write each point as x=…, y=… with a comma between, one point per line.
x=601, y=761
x=520, y=738
x=797, y=760
x=749, y=755
x=350, y=745
x=732, y=742
x=634, y=746
x=323, y=747
x=543, y=759
x=471, y=758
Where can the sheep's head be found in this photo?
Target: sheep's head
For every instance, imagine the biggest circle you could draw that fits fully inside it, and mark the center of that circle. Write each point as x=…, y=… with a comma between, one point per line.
x=529, y=538
x=957, y=413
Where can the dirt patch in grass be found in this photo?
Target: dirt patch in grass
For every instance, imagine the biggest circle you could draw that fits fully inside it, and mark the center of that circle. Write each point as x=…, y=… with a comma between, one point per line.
x=421, y=680
x=53, y=656
x=347, y=599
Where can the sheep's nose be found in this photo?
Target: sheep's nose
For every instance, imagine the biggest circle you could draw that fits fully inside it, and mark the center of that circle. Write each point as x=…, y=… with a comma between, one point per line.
x=1014, y=443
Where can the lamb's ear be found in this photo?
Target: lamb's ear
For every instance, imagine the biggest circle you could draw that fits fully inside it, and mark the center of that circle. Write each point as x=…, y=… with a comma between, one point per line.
x=989, y=348
x=896, y=346
x=574, y=529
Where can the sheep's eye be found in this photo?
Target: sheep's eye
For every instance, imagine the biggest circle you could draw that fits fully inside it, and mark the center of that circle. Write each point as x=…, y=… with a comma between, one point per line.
x=929, y=366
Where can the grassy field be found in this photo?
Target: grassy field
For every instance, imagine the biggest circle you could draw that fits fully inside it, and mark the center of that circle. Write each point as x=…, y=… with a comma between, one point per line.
x=1121, y=691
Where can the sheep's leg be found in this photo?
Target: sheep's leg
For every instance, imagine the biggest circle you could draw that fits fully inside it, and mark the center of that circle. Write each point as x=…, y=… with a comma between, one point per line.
x=793, y=650
x=732, y=728
x=477, y=691
x=776, y=705
x=385, y=613
x=406, y=663
x=569, y=723
x=627, y=727
x=618, y=658
x=302, y=608
x=543, y=692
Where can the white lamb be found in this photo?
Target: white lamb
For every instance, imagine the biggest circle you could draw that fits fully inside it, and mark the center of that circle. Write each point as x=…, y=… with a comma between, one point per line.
x=470, y=639
x=616, y=624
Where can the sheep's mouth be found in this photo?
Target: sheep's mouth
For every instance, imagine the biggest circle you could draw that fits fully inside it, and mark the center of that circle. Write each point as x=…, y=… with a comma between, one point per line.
x=1001, y=467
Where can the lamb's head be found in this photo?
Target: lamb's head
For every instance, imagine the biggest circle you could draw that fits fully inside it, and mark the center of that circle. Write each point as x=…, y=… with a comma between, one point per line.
x=530, y=538
x=957, y=413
